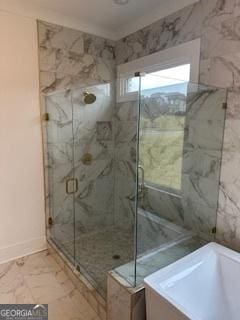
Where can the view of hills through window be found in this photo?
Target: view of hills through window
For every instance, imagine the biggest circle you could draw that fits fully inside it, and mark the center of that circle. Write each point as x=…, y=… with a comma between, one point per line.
x=162, y=120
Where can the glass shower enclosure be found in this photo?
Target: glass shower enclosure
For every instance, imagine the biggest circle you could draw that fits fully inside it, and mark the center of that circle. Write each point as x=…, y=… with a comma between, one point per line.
x=133, y=184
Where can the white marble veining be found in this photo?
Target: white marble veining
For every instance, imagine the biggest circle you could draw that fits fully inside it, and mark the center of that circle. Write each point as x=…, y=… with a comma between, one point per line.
x=72, y=59
x=39, y=279
x=125, y=134
x=121, y=294
x=216, y=23
x=194, y=205
x=73, y=130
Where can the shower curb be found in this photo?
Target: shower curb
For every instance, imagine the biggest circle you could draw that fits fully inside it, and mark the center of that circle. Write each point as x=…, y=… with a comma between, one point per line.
x=124, y=301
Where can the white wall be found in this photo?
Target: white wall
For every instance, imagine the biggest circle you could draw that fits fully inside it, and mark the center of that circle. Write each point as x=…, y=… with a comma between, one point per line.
x=31, y=9
x=35, y=9
x=22, y=218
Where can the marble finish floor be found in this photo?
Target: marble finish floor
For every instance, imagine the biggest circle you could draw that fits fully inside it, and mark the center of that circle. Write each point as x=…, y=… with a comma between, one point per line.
x=38, y=279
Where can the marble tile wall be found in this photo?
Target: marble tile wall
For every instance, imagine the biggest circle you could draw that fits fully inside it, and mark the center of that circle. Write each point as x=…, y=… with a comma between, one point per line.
x=216, y=22
x=202, y=152
x=192, y=203
x=74, y=130
x=121, y=293
x=202, y=137
x=71, y=63
x=93, y=134
x=125, y=134
x=71, y=58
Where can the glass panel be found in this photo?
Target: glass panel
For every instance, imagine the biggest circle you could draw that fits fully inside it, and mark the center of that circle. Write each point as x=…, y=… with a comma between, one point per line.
x=103, y=217
x=126, y=192
x=60, y=170
x=163, y=150
x=180, y=147
x=160, y=78
x=162, y=123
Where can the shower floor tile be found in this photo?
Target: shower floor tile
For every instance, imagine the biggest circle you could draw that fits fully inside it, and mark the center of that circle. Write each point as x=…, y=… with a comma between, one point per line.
x=38, y=279
x=101, y=251
x=112, y=248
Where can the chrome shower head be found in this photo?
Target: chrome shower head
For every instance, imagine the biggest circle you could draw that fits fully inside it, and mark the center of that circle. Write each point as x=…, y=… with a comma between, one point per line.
x=89, y=98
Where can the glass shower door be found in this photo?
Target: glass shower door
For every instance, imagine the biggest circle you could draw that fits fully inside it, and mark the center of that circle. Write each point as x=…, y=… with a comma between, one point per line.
x=90, y=146
x=61, y=182
x=93, y=168
x=181, y=127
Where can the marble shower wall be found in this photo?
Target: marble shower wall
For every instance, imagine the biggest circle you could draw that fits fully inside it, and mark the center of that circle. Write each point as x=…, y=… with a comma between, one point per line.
x=93, y=134
x=202, y=152
x=189, y=129
x=72, y=62
x=74, y=130
x=125, y=135
x=196, y=121
x=216, y=22
x=71, y=58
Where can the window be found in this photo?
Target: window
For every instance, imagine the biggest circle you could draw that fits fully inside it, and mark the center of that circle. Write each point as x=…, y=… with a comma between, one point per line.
x=160, y=78
x=163, y=107
x=165, y=60
x=163, y=95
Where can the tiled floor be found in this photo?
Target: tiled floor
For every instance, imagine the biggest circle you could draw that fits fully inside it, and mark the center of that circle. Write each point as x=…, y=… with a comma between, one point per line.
x=160, y=243
x=104, y=245
x=38, y=279
x=110, y=247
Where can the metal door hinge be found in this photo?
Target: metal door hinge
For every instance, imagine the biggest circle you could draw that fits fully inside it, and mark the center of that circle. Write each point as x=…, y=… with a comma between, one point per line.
x=224, y=105
x=139, y=74
x=50, y=221
x=46, y=117
x=214, y=230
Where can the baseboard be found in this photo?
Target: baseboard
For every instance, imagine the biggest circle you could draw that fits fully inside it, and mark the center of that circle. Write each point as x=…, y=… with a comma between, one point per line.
x=22, y=249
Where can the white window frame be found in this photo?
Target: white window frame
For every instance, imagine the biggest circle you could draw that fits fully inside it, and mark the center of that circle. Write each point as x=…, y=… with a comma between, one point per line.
x=186, y=53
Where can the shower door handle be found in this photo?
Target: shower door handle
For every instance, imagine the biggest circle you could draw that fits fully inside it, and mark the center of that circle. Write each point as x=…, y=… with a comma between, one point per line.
x=74, y=183
x=142, y=182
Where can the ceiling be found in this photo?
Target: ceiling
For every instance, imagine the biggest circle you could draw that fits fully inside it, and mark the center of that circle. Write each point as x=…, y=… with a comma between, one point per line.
x=115, y=20
x=104, y=13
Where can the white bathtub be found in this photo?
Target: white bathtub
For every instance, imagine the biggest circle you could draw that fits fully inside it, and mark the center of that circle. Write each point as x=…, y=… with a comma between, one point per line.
x=204, y=285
